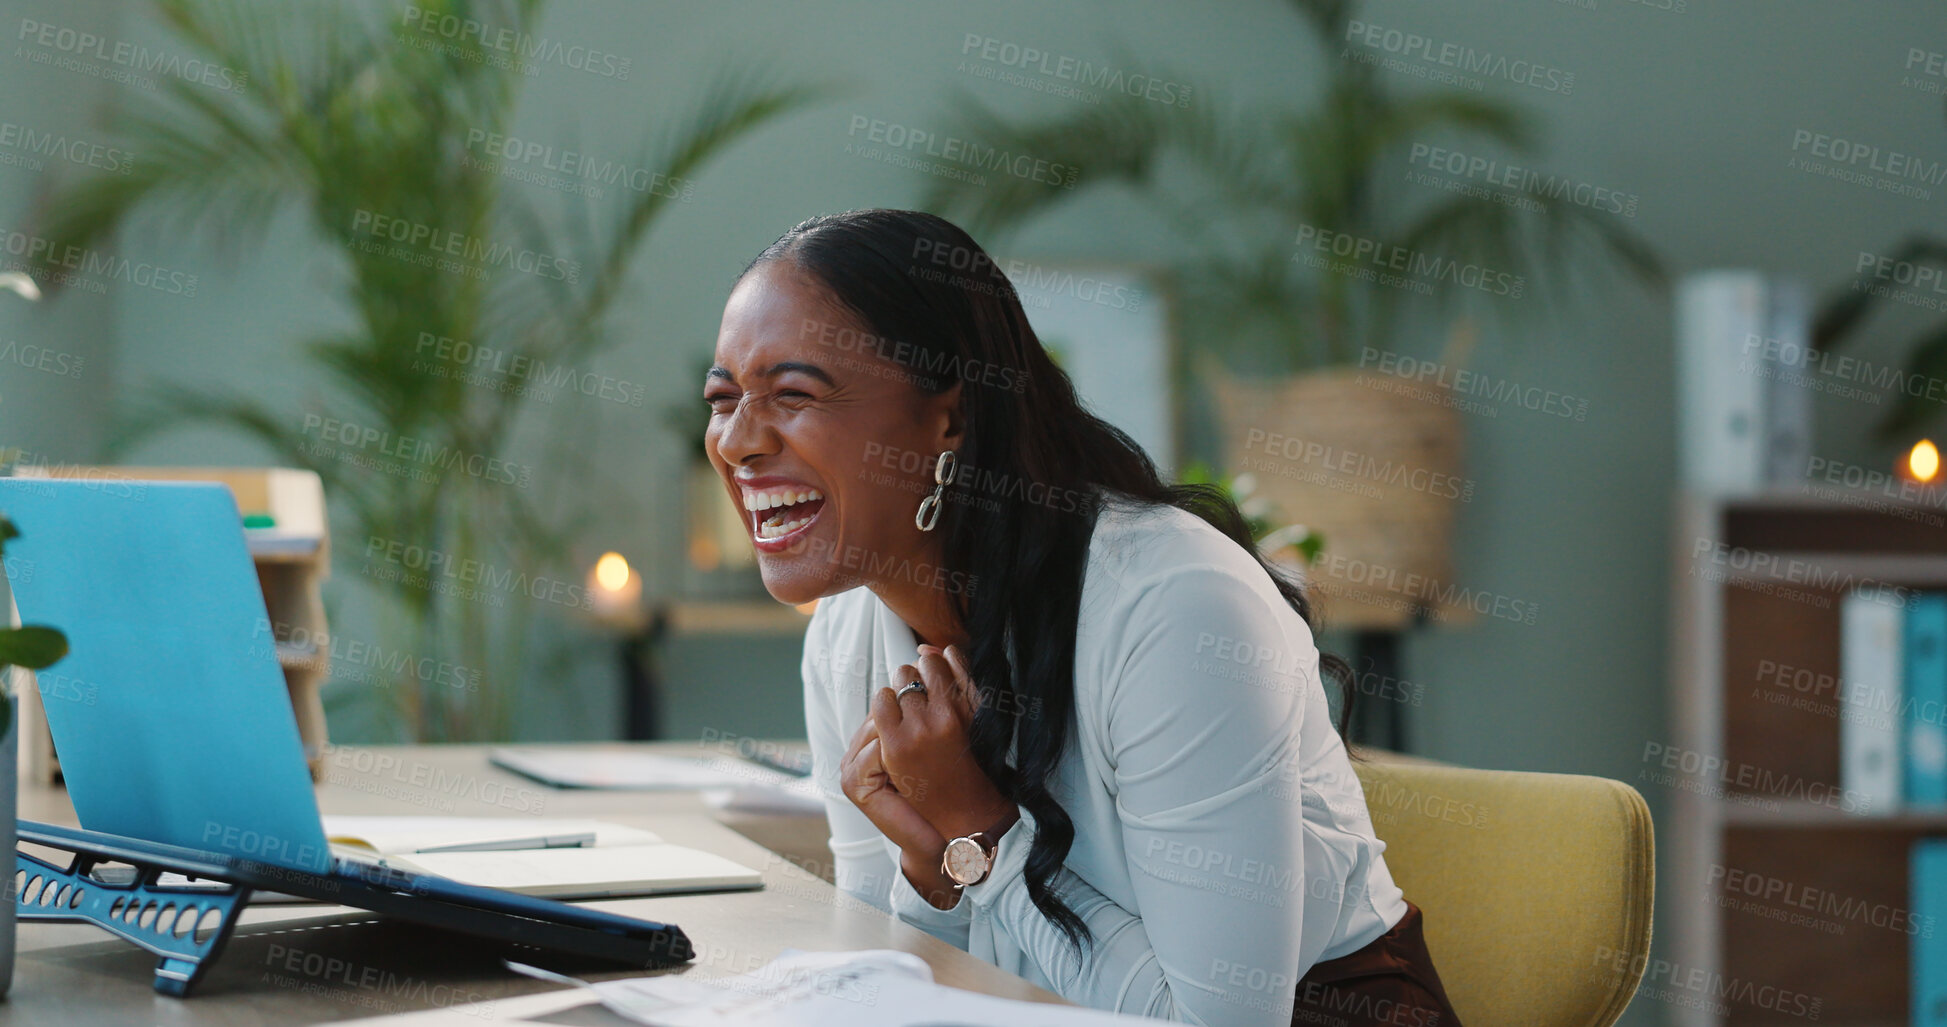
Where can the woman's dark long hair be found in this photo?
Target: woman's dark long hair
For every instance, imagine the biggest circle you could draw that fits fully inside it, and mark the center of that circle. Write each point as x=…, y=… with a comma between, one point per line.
x=912, y=277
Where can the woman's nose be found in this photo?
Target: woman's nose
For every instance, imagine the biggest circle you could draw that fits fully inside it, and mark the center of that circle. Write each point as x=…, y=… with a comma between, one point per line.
x=746, y=436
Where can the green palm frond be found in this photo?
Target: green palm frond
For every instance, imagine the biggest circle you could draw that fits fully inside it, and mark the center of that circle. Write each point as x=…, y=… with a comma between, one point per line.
x=348, y=119
x=1846, y=307
x=1117, y=140
x=1926, y=361
x=1269, y=172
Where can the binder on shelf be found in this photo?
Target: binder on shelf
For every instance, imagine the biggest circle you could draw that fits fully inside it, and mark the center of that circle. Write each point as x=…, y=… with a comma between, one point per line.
x=1744, y=411
x=1927, y=962
x=1870, y=723
x=1925, y=702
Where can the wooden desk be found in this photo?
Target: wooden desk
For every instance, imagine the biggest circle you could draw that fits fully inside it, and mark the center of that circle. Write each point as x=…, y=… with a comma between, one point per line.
x=302, y=964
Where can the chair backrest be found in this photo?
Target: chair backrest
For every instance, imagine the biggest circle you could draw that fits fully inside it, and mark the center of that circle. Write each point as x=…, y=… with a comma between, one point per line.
x=1536, y=888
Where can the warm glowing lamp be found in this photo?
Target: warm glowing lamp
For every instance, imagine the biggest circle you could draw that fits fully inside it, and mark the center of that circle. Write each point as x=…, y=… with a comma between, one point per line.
x=615, y=591
x=1922, y=462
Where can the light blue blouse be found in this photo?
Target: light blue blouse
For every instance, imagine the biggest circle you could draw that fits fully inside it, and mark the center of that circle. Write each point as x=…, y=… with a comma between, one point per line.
x=1222, y=842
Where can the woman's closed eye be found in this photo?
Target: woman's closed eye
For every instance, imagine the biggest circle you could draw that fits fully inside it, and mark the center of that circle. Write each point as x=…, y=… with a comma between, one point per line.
x=722, y=402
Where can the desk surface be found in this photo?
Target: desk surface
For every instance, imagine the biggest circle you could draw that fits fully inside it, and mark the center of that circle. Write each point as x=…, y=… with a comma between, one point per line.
x=304, y=964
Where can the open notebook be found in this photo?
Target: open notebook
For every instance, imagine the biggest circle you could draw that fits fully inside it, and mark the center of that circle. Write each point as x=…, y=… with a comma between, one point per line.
x=555, y=858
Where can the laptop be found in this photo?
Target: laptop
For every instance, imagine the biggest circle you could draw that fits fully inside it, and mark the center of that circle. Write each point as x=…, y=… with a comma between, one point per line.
x=175, y=729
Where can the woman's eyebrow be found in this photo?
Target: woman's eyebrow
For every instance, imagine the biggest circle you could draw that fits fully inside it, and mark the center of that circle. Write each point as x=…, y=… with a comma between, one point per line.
x=720, y=373
x=812, y=370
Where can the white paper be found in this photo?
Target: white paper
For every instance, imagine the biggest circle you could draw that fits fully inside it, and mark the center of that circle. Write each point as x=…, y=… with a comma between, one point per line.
x=588, y=873
x=866, y=988
x=622, y=769
x=869, y=988
x=793, y=796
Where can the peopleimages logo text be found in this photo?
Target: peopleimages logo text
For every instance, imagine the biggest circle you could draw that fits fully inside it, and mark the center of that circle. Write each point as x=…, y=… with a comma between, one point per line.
x=967, y=153
x=1463, y=58
x=77, y=43
x=523, y=45
x=1073, y=69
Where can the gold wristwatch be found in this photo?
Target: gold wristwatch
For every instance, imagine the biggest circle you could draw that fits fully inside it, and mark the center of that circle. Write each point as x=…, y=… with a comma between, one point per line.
x=969, y=859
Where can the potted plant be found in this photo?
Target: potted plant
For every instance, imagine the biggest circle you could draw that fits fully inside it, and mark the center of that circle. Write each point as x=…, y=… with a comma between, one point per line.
x=31, y=647
x=350, y=119
x=1247, y=198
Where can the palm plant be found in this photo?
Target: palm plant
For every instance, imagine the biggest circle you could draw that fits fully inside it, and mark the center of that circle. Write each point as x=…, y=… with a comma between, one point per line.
x=1845, y=311
x=346, y=118
x=1275, y=170
x=1922, y=256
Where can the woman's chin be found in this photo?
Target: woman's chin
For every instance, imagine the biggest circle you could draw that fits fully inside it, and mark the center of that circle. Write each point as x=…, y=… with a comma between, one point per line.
x=788, y=584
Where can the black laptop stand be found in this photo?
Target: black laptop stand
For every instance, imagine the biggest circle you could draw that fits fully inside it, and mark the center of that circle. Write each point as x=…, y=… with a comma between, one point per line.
x=186, y=925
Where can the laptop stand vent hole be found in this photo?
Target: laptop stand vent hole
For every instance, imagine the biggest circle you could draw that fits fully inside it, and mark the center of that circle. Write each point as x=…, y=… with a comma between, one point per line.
x=147, y=919
x=205, y=927
x=50, y=897
x=20, y=882
x=115, y=911
x=186, y=921
x=33, y=891
x=74, y=901
x=165, y=922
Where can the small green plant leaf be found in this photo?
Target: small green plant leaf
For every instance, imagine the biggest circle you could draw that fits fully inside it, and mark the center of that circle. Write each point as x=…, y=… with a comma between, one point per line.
x=33, y=646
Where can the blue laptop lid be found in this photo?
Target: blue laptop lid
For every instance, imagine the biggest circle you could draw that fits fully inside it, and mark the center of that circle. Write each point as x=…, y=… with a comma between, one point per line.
x=170, y=714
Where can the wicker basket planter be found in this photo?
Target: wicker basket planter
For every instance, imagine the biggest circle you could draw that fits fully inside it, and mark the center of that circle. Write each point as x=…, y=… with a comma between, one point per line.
x=1373, y=463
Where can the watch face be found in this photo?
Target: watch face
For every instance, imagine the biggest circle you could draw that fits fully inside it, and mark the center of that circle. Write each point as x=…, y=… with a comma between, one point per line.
x=966, y=862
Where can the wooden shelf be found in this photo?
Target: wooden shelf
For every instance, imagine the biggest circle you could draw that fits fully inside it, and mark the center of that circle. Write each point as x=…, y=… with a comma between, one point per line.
x=1794, y=813
x=1733, y=629
x=282, y=548
x=1919, y=570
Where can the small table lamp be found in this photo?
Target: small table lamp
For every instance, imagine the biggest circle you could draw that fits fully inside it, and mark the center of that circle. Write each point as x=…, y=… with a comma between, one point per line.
x=615, y=598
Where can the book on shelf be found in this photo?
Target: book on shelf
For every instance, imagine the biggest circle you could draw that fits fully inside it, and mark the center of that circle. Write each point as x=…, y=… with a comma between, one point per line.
x=1870, y=723
x=1927, y=944
x=1924, y=706
x=1743, y=416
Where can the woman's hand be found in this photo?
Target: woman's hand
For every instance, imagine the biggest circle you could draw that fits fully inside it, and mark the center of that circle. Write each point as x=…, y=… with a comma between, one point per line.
x=925, y=749
x=863, y=777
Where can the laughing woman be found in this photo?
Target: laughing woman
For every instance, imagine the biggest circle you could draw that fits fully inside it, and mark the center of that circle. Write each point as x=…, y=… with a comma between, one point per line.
x=1065, y=717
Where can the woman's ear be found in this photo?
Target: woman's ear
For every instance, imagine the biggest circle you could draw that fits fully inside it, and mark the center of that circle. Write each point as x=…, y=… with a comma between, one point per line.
x=945, y=412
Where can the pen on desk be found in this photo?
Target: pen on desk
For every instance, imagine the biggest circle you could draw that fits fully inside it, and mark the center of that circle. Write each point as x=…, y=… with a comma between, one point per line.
x=576, y=840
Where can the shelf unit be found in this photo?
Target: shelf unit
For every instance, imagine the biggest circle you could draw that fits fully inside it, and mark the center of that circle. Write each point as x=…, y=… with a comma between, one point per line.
x=292, y=556
x=1756, y=587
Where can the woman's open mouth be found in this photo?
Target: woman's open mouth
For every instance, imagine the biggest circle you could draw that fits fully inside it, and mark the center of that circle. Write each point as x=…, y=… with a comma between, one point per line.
x=779, y=515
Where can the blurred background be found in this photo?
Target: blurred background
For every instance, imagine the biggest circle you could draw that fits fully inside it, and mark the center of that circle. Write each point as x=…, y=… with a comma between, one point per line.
x=1525, y=329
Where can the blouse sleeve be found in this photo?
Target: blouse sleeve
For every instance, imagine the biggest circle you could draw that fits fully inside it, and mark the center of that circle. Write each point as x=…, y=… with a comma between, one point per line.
x=1215, y=848
x=865, y=864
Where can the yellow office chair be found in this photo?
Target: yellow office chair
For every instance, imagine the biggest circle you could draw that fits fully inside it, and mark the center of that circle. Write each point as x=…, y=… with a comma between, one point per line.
x=1537, y=888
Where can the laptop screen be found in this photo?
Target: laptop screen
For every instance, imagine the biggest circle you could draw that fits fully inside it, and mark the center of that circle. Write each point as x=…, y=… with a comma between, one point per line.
x=170, y=715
